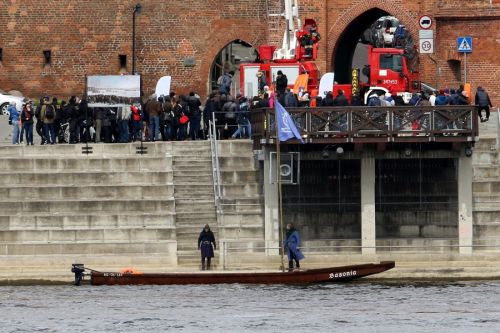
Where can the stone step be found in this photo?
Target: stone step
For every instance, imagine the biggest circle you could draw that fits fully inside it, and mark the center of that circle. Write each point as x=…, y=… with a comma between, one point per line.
x=192, y=166
x=485, y=231
x=191, y=205
x=230, y=162
x=485, y=158
x=486, y=217
x=74, y=164
x=85, y=192
x=72, y=206
x=88, y=178
x=85, y=221
x=102, y=150
x=194, y=191
x=90, y=248
x=486, y=172
x=192, y=157
x=238, y=177
x=86, y=236
x=485, y=186
x=485, y=143
x=202, y=172
x=193, y=179
x=239, y=190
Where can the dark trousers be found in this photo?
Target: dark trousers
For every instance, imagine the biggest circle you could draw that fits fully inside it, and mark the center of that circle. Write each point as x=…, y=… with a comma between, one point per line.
x=28, y=129
x=49, y=133
x=194, y=128
x=290, y=262
x=480, y=111
x=39, y=129
x=74, y=131
x=207, y=267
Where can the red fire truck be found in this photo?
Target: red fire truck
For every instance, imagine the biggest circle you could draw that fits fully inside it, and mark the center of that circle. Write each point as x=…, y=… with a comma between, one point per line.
x=393, y=70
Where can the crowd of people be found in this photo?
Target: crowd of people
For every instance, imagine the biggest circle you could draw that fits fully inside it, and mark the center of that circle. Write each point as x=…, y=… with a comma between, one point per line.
x=172, y=117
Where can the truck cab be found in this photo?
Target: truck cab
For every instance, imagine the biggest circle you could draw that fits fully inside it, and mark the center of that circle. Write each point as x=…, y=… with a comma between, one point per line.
x=393, y=69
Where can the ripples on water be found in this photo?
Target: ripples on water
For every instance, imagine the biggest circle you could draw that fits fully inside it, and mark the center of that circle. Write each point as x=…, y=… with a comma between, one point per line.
x=351, y=307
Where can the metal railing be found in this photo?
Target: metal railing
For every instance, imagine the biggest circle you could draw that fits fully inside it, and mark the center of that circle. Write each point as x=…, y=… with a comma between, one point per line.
x=214, y=147
x=373, y=124
x=390, y=246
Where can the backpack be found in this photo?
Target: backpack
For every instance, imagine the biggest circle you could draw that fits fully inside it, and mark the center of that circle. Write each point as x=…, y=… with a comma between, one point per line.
x=220, y=80
x=49, y=112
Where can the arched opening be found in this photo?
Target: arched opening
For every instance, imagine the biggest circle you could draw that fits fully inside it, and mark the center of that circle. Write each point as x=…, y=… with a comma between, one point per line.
x=351, y=48
x=229, y=59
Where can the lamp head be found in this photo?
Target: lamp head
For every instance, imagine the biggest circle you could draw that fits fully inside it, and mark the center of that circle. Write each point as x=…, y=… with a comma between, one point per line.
x=137, y=8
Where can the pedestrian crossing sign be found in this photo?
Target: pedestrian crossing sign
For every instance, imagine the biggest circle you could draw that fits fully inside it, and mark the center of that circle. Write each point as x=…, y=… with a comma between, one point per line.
x=464, y=44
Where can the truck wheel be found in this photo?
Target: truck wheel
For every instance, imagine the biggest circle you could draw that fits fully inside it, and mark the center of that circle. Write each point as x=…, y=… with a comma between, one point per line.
x=3, y=109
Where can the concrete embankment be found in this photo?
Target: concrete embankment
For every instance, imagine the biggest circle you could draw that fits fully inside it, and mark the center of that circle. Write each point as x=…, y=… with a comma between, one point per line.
x=115, y=208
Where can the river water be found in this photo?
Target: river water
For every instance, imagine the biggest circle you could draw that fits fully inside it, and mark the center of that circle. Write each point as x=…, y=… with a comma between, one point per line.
x=351, y=307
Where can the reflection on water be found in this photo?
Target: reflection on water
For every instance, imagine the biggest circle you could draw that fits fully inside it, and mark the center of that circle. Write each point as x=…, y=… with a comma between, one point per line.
x=350, y=307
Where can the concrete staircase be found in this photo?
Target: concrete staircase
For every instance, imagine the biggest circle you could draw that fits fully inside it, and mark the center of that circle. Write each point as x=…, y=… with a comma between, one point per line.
x=194, y=197
x=486, y=194
x=241, y=215
x=109, y=210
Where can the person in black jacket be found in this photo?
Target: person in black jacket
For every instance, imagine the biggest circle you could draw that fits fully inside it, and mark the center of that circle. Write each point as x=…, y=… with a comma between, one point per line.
x=194, y=116
x=483, y=102
x=281, y=83
x=205, y=242
x=74, y=118
x=340, y=100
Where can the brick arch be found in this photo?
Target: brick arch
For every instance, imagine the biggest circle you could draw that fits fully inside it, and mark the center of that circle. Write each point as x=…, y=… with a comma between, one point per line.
x=350, y=14
x=219, y=42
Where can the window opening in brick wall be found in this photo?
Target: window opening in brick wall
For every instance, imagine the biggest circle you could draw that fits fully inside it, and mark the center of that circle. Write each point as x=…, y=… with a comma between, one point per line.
x=455, y=67
x=47, y=56
x=1, y=54
x=123, y=61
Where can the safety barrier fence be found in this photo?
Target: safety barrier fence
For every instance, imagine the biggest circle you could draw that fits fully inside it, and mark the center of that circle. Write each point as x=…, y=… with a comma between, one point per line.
x=405, y=246
x=366, y=124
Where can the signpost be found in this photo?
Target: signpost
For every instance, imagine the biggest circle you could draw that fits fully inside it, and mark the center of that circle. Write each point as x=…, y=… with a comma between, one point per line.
x=464, y=45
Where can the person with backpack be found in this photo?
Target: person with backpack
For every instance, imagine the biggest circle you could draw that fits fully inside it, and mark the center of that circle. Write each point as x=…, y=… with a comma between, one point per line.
x=48, y=117
x=229, y=109
x=243, y=119
x=168, y=119
x=27, y=120
x=483, y=102
x=224, y=82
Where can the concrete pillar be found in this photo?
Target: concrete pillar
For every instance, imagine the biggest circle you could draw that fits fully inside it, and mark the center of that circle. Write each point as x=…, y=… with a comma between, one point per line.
x=271, y=207
x=368, y=204
x=465, y=235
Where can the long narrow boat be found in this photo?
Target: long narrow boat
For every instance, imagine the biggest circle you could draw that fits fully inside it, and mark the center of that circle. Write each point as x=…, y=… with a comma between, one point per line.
x=320, y=275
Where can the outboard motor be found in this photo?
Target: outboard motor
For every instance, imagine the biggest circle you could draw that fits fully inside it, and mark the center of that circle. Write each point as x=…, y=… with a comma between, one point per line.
x=79, y=270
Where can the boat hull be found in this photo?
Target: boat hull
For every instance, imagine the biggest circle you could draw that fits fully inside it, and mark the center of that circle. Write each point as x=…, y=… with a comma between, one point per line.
x=321, y=275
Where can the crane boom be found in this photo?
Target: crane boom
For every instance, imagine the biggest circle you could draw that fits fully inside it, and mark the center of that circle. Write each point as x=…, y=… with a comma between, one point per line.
x=289, y=45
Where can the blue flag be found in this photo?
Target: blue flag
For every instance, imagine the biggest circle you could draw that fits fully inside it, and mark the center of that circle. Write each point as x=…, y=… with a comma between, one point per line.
x=286, y=126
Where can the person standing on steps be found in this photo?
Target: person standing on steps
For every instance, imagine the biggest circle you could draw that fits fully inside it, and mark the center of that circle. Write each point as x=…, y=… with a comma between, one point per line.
x=205, y=242
x=291, y=244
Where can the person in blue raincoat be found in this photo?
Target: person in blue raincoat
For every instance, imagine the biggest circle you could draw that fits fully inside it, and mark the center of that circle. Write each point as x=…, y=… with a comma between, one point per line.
x=291, y=245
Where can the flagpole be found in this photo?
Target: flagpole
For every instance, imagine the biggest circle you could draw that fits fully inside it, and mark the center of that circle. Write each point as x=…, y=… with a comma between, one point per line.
x=278, y=178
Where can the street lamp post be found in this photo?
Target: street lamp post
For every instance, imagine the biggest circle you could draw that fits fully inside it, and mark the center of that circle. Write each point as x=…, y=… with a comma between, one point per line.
x=137, y=10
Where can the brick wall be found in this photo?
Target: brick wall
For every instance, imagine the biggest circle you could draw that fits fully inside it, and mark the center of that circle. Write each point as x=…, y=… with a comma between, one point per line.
x=86, y=37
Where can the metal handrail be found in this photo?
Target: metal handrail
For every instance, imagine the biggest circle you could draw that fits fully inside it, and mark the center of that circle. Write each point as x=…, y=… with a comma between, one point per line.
x=498, y=128
x=225, y=249
x=215, y=164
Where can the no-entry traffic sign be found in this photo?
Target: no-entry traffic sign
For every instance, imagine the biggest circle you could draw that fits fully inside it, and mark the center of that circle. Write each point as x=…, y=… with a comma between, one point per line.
x=425, y=22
